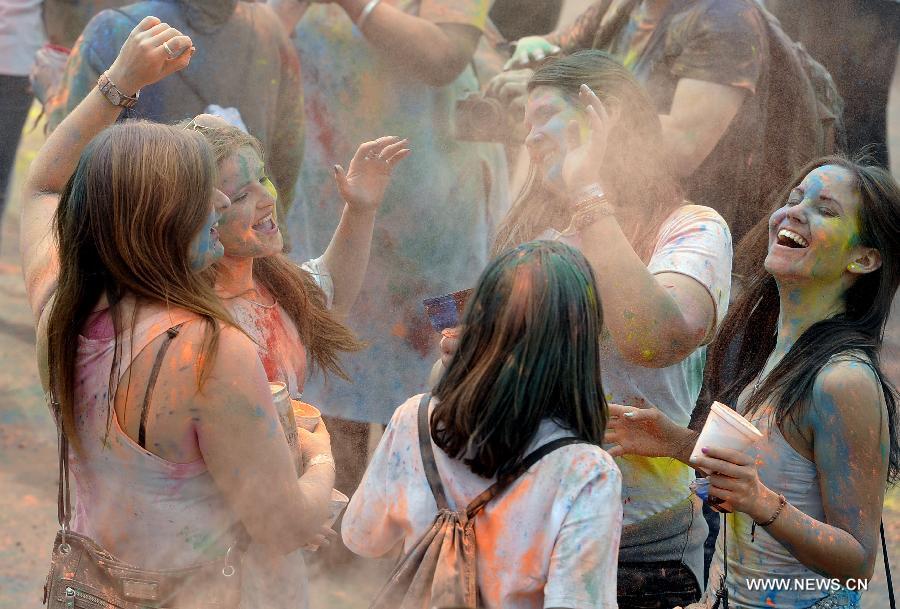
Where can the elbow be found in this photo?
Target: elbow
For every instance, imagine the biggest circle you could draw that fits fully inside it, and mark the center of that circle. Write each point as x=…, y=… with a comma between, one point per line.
x=661, y=353
x=443, y=67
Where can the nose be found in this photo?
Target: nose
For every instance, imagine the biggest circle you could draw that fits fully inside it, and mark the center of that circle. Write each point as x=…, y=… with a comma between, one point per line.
x=220, y=201
x=535, y=141
x=797, y=213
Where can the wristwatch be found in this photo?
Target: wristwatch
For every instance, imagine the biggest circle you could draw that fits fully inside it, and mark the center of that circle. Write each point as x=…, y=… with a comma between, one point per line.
x=111, y=92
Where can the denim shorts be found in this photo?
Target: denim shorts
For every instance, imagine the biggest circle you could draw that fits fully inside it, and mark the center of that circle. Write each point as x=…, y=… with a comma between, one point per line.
x=656, y=585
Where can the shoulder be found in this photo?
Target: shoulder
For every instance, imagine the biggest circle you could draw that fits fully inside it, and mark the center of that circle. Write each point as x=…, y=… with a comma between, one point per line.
x=406, y=416
x=576, y=466
x=697, y=220
x=725, y=15
x=847, y=376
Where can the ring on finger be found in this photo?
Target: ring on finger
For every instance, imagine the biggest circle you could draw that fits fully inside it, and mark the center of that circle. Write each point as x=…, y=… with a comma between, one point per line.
x=172, y=54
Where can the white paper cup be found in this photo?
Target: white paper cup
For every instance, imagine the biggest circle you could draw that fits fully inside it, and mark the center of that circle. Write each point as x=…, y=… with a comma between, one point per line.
x=725, y=428
x=337, y=504
x=306, y=415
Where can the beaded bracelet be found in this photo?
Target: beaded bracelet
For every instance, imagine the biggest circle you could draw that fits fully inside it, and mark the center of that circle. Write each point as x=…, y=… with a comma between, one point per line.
x=781, y=503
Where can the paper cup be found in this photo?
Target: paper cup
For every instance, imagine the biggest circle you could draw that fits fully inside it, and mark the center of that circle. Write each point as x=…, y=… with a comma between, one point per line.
x=725, y=428
x=337, y=504
x=306, y=415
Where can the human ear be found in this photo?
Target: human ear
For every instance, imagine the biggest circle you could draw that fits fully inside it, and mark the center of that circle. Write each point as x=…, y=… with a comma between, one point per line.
x=868, y=261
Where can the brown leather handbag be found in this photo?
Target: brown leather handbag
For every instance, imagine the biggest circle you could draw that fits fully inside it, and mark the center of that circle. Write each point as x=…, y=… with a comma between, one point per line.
x=85, y=576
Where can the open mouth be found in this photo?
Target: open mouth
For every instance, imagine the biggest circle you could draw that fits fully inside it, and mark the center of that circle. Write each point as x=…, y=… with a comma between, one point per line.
x=788, y=238
x=266, y=225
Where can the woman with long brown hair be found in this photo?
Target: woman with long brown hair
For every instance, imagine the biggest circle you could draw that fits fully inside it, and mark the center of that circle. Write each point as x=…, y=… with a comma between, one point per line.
x=164, y=403
x=798, y=355
x=600, y=181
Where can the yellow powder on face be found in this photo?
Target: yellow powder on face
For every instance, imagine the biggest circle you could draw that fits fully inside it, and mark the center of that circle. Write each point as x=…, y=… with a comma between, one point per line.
x=270, y=188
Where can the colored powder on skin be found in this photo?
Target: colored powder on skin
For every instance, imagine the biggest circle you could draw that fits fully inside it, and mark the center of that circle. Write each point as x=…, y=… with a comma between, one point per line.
x=270, y=188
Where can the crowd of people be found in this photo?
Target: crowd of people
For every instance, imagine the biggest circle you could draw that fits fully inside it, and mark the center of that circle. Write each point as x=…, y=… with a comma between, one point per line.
x=657, y=207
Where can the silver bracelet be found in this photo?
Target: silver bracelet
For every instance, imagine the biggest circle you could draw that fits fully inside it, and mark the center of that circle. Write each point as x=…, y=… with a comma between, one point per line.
x=366, y=12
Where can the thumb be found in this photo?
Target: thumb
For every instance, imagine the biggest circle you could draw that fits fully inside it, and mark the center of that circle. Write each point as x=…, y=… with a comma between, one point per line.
x=340, y=178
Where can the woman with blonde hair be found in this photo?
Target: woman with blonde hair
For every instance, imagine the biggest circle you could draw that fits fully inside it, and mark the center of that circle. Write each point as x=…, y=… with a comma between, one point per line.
x=163, y=403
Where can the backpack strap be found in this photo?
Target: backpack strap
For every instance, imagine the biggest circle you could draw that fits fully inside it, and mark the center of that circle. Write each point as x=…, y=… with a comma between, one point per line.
x=427, y=452
x=171, y=333
x=505, y=480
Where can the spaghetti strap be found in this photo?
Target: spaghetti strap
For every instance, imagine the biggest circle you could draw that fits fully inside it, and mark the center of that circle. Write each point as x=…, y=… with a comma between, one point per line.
x=171, y=333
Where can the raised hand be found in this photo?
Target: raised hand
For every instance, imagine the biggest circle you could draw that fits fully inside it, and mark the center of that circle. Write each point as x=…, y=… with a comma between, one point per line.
x=364, y=184
x=584, y=158
x=151, y=52
x=530, y=50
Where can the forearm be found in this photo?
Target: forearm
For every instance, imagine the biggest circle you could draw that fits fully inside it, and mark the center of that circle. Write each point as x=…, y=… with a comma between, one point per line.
x=419, y=47
x=347, y=257
x=579, y=35
x=682, y=149
x=315, y=485
x=289, y=12
x=640, y=314
x=58, y=157
x=825, y=549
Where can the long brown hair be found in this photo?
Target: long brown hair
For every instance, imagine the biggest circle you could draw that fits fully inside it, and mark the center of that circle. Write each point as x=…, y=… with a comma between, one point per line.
x=124, y=226
x=294, y=289
x=748, y=332
x=528, y=352
x=635, y=169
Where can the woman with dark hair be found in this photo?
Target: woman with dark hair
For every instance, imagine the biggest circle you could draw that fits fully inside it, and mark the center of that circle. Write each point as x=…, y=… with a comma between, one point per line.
x=807, y=333
x=164, y=403
x=527, y=372
x=600, y=180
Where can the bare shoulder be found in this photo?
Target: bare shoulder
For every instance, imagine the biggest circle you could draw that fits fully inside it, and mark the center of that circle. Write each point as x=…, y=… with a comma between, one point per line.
x=847, y=390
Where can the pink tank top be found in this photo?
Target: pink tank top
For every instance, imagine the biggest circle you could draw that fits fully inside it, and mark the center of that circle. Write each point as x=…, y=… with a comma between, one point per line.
x=148, y=511
x=143, y=509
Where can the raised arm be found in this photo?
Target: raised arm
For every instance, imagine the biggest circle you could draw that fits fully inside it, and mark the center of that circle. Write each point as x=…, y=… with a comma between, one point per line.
x=141, y=62
x=362, y=186
x=434, y=53
x=849, y=425
x=655, y=320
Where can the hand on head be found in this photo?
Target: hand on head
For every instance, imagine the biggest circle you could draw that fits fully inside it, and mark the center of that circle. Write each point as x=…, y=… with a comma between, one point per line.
x=581, y=167
x=152, y=51
x=210, y=120
x=364, y=184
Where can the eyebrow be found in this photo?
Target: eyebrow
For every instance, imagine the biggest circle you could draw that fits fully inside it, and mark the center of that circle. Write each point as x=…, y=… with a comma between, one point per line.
x=823, y=194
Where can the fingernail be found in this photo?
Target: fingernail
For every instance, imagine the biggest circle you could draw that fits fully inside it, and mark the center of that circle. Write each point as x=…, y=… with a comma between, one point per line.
x=336, y=169
x=704, y=450
x=628, y=414
x=692, y=460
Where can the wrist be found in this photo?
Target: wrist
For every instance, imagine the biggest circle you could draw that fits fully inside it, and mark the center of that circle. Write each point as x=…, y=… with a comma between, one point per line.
x=322, y=458
x=360, y=213
x=121, y=80
x=768, y=508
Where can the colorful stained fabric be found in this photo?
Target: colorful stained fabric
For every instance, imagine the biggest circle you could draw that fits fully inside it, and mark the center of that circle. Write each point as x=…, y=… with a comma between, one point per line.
x=719, y=41
x=247, y=63
x=148, y=511
x=694, y=241
x=785, y=471
x=550, y=540
x=432, y=232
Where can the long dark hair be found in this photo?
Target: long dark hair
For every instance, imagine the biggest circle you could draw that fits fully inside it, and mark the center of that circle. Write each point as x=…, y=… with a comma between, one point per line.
x=636, y=171
x=528, y=352
x=295, y=290
x=126, y=219
x=748, y=332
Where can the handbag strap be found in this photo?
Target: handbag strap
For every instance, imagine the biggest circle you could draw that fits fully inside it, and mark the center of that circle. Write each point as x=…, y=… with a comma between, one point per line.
x=171, y=333
x=887, y=569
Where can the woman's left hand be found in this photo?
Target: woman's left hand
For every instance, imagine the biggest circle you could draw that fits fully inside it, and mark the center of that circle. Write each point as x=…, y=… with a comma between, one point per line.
x=363, y=186
x=584, y=157
x=733, y=477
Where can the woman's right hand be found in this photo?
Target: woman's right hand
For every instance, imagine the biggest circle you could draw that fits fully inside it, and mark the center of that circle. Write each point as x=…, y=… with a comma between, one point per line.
x=529, y=50
x=144, y=59
x=316, y=442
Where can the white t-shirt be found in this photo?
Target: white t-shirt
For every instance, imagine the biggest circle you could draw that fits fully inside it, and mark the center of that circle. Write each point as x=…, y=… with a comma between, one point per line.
x=694, y=241
x=550, y=540
x=21, y=35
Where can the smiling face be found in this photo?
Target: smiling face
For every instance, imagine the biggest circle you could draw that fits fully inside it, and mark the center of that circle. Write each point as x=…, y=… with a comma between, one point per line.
x=815, y=235
x=206, y=247
x=547, y=116
x=248, y=228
